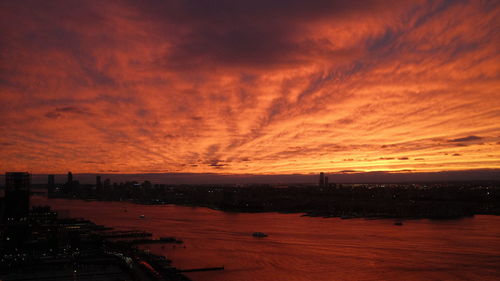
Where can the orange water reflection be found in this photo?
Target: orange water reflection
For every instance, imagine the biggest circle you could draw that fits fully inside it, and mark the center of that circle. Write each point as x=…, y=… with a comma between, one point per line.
x=303, y=248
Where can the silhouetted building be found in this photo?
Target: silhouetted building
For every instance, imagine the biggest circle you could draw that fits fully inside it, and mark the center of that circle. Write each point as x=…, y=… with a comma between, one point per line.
x=321, y=179
x=326, y=181
x=51, y=184
x=98, y=187
x=17, y=196
x=71, y=185
x=147, y=185
x=107, y=183
x=70, y=178
x=98, y=183
x=2, y=212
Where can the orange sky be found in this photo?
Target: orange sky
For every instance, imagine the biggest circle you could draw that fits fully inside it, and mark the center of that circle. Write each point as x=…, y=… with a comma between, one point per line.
x=261, y=87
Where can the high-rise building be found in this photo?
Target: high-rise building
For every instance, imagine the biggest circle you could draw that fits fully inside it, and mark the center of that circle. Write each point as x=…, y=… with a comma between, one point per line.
x=326, y=181
x=107, y=183
x=17, y=196
x=70, y=178
x=98, y=181
x=98, y=186
x=51, y=184
x=321, y=179
x=70, y=186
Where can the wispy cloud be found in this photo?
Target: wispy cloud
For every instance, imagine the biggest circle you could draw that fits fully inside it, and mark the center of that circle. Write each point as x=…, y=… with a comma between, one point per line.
x=249, y=86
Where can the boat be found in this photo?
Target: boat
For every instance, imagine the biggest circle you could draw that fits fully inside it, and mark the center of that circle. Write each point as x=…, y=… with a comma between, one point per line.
x=142, y=216
x=259, y=234
x=170, y=240
x=399, y=223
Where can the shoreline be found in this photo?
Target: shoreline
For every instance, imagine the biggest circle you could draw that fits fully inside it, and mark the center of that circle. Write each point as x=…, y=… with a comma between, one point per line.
x=305, y=213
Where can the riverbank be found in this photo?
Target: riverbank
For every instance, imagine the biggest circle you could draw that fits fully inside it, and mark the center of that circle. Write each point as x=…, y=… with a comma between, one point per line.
x=399, y=201
x=435, y=210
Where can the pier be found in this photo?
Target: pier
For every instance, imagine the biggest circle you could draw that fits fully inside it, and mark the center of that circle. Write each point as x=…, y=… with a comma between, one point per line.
x=201, y=269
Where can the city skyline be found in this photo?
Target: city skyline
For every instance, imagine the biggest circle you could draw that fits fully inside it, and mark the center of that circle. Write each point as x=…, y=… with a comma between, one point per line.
x=311, y=179
x=249, y=88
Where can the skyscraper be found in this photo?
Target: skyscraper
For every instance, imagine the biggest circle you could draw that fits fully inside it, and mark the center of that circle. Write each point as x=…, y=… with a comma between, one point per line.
x=70, y=178
x=17, y=196
x=70, y=185
x=321, y=179
x=51, y=184
x=98, y=187
x=326, y=181
x=98, y=183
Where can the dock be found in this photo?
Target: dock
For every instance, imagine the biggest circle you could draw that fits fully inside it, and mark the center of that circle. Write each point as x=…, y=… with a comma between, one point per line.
x=126, y=234
x=201, y=269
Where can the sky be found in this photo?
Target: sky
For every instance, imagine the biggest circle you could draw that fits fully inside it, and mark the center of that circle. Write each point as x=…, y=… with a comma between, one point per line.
x=249, y=87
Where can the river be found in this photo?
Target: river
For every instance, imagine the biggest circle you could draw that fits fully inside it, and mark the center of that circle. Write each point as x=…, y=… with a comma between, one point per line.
x=305, y=248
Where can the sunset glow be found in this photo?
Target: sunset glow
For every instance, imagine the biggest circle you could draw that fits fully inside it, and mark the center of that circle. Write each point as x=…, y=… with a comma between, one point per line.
x=249, y=87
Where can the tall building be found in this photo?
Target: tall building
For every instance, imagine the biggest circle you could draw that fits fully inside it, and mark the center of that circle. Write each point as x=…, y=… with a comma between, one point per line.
x=17, y=196
x=99, y=187
x=107, y=183
x=321, y=179
x=98, y=181
x=70, y=186
x=70, y=178
x=326, y=181
x=51, y=184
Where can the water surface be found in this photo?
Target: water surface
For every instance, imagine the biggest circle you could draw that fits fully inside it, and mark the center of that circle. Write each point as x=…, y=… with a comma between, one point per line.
x=304, y=248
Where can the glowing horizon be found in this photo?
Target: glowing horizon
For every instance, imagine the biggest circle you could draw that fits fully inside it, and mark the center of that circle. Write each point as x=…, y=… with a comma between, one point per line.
x=251, y=87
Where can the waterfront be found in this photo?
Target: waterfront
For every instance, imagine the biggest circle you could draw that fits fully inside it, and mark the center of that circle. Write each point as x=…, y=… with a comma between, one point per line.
x=305, y=248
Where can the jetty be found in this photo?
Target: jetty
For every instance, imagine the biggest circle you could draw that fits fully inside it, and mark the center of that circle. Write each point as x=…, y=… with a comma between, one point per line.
x=161, y=240
x=201, y=269
x=126, y=234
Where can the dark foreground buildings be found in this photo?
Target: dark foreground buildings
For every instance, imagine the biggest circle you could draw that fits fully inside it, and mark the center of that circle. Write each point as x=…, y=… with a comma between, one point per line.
x=35, y=244
x=17, y=196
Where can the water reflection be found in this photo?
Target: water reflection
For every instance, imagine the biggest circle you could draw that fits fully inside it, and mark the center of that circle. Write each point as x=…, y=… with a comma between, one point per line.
x=304, y=248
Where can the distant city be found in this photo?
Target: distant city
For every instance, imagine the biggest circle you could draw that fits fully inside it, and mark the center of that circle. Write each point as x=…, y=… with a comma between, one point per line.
x=353, y=177
x=325, y=198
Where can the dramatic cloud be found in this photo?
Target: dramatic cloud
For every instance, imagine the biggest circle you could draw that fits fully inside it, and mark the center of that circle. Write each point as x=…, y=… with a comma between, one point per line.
x=249, y=87
x=469, y=138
